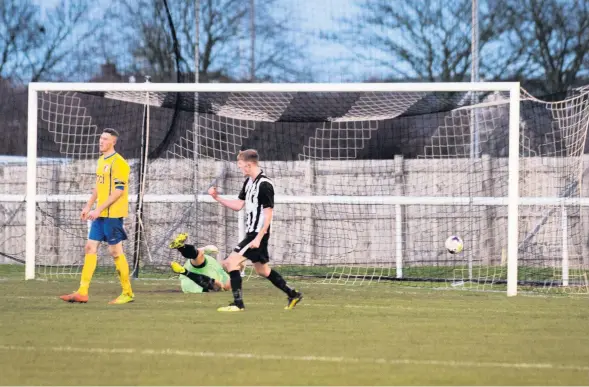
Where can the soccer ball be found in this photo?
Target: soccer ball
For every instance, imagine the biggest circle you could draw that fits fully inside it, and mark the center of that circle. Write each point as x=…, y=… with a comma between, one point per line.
x=454, y=244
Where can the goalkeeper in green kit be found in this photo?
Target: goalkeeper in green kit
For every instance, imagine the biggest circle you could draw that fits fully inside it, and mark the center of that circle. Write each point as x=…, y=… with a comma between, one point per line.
x=201, y=272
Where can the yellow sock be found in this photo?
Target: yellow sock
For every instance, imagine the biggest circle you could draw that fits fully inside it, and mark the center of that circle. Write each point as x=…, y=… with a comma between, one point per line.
x=123, y=270
x=87, y=272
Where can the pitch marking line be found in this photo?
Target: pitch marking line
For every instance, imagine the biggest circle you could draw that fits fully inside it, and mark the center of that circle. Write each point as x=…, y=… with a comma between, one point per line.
x=310, y=358
x=324, y=305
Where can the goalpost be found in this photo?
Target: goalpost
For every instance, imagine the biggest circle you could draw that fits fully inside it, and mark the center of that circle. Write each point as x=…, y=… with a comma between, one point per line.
x=371, y=178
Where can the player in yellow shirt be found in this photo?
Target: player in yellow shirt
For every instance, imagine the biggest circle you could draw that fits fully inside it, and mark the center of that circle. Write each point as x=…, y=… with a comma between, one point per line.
x=111, y=194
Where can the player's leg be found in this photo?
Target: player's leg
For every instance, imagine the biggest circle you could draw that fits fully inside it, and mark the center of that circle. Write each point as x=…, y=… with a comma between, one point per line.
x=90, y=262
x=264, y=270
x=232, y=265
x=195, y=255
x=260, y=258
x=205, y=282
x=197, y=259
x=122, y=266
x=188, y=251
x=115, y=234
x=95, y=236
x=178, y=241
x=224, y=278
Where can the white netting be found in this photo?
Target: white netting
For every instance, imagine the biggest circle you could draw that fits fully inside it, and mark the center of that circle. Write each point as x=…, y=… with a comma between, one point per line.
x=70, y=124
x=254, y=106
x=222, y=137
x=339, y=140
x=380, y=106
x=551, y=145
x=390, y=145
x=553, y=236
x=153, y=99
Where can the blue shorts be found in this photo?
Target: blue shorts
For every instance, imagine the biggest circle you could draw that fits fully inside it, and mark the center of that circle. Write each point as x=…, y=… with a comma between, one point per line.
x=109, y=230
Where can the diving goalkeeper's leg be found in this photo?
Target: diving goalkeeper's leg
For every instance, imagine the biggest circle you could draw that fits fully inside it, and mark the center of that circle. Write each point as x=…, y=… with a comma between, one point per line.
x=178, y=242
x=207, y=283
x=196, y=256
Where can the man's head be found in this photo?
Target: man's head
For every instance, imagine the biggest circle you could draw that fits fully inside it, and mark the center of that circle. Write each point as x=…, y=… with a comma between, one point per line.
x=107, y=141
x=247, y=162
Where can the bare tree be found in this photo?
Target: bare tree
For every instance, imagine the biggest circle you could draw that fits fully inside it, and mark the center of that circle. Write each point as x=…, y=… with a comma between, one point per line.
x=428, y=40
x=280, y=46
x=431, y=39
x=222, y=28
x=137, y=39
x=553, y=35
x=160, y=37
x=226, y=39
x=33, y=47
x=20, y=33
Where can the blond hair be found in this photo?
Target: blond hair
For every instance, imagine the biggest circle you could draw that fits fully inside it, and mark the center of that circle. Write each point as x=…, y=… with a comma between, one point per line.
x=249, y=155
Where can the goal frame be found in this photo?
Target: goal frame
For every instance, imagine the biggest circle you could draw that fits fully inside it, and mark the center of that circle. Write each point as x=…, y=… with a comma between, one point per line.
x=513, y=88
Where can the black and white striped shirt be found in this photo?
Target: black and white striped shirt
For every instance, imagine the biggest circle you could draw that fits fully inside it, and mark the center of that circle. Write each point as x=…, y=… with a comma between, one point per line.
x=257, y=194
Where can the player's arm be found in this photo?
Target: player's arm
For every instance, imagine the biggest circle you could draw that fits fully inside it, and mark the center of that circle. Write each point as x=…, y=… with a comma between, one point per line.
x=234, y=204
x=268, y=213
x=89, y=204
x=113, y=197
x=266, y=200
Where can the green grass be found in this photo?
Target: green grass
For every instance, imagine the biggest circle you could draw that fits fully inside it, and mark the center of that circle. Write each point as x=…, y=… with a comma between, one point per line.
x=382, y=334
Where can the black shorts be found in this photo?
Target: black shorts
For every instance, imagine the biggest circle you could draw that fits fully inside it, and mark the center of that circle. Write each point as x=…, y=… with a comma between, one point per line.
x=255, y=255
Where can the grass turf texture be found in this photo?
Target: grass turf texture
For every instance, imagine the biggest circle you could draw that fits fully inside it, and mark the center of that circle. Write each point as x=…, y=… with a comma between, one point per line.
x=343, y=335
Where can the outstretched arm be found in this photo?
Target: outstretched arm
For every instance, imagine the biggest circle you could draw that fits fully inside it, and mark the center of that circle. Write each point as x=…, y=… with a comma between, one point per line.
x=234, y=204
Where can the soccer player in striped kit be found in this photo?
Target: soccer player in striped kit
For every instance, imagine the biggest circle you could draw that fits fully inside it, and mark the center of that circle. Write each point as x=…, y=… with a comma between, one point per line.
x=257, y=196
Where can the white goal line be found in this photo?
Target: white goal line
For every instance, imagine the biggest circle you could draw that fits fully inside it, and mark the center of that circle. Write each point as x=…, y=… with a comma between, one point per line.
x=327, y=199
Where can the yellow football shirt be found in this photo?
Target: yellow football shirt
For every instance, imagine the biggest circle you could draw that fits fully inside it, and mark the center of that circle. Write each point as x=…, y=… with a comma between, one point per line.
x=112, y=172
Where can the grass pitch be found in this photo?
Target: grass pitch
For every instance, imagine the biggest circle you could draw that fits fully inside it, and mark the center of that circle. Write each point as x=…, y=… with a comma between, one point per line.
x=380, y=334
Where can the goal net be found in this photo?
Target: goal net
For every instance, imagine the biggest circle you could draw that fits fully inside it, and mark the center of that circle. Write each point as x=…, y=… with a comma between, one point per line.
x=368, y=183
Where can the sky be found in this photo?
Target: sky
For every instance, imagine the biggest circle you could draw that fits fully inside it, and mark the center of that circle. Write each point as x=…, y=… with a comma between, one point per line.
x=312, y=16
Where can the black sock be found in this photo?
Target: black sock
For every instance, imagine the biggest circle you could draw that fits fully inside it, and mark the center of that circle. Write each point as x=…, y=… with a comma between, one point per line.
x=280, y=283
x=205, y=282
x=235, y=276
x=188, y=251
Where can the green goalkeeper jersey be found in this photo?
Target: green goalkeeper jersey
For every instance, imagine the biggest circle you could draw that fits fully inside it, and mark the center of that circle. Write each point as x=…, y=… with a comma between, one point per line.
x=212, y=269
